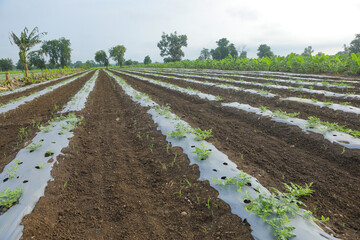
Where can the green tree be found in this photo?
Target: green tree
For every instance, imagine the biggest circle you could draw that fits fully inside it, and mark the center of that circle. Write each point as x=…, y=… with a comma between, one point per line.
x=20, y=65
x=117, y=53
x=78, y=64
x=59, y=52
x=232, y=50
x=224, y=49
x=170, y=45
x=307, y=51
x=101, y=58
x=65, y=52
x=205, y=54
x=25, y=42
x=36, y=60
x=264, y=51
x=242, y=52
x=355, y=44
x=147, y=60
x=6, y=64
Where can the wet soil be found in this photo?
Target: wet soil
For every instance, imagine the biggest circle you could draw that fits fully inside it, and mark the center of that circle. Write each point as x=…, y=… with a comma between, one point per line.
x=28, y=116
x=276, y=153
x=118, y=180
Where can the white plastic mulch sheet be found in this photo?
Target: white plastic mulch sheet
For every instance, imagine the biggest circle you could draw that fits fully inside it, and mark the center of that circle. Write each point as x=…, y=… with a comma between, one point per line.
x=31, y=170
x=218, y=165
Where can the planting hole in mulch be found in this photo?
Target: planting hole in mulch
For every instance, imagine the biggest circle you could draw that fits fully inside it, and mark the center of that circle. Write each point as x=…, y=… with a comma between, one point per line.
x=5, y=179
x=48, y=154
x=247, y=201
x=225, y=163
x=25, y=181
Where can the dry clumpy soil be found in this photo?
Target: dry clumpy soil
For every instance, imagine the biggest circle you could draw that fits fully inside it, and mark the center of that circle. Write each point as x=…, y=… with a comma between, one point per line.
x=117, y=180
x=28, y=115
x=275, y=153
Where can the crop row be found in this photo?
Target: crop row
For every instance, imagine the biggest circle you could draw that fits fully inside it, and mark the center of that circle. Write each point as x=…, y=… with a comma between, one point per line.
x=298, y=81
x=331, y=131
x=213, y=164
x=300, y=88
x=14, y=103
x=337, y=64
x=30, y=171
x=345, y=107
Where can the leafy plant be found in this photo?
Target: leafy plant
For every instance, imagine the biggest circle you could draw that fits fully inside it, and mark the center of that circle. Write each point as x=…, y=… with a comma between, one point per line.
x=181, y=130
x=8, y=197
x=276, y=208
x=202, y=153
x=34, y=146
x=240, y=180
x=284, y=115
x=202, y=134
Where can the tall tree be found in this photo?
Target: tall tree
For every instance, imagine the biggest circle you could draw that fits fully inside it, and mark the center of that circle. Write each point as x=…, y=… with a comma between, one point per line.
x=37, y=60
x=224, y=49
x=355, y=44
x=25, y=42
x=205, y=54
x=117, y=53
x=147, y=60
x=101, y=58
x=170, y=45
x=59, y=51
x=65, y=52
x=6, y=64
x=264, y=51
x=307, y=51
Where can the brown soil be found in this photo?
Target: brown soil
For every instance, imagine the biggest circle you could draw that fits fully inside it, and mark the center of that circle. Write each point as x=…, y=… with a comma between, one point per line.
x=289, y=92
x=112, y=183
x=259, y=80
x=275, y=152
x=7, y=98
x=28, y=115
x=351, y=120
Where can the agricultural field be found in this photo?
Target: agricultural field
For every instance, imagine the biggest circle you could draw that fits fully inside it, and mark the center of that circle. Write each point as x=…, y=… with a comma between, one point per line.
x=172, y=153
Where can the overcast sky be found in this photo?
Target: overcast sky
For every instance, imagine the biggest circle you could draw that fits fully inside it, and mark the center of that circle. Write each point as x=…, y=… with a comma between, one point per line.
x=92, y=25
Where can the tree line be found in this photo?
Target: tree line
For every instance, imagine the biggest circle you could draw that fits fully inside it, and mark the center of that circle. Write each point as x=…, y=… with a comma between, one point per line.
x=170, y=48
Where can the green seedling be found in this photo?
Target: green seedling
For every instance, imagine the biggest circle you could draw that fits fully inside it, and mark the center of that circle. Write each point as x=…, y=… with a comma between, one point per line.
x=45, y=129
x=34, y=146
x=167, y=148
x=208, y=205
x=39, y=166
x=188, y=182
x=181, y=130
x=64, y=186
x=345, y=103
x=284, y=115
x=163, y=166
x=174, y=160
x=202, y=153
x=219, y=98
x=202, y=134
x=263, y=108
x=8, y=197
x=240, y=180
x=328, y=103
x=12, y=170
